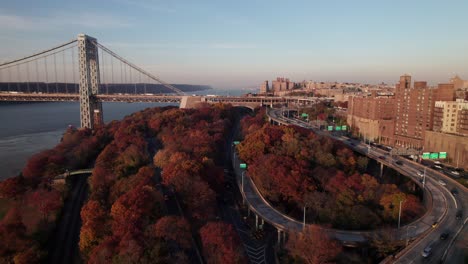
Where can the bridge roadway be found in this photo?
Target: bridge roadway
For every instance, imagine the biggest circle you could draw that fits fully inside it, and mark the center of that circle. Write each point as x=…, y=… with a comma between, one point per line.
x=235, y=100
x=442, y=209
x=71, y=173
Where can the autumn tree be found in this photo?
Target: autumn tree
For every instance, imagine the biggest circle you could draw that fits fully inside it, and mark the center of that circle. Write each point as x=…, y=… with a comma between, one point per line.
x=174, y=228
x=46, y=201
x=93, y=228
x=313, y=246
x=12, y=187
x=13, y=235
x=221, y=243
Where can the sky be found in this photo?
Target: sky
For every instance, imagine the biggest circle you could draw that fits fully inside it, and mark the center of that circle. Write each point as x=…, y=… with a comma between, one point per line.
x=239, y=44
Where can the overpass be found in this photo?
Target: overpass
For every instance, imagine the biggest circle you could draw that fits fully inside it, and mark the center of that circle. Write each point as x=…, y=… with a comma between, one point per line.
x=435, y=200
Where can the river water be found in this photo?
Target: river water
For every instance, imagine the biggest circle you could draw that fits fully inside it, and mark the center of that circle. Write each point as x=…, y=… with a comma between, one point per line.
x=28, y=128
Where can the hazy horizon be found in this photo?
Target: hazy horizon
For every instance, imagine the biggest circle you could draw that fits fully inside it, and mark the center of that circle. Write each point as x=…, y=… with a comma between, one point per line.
x=240, y=44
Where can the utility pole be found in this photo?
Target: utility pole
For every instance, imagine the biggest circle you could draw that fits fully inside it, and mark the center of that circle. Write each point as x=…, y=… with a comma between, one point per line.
x=424, y=178
x=303, y=225
x=242, y=182
x=399, y=214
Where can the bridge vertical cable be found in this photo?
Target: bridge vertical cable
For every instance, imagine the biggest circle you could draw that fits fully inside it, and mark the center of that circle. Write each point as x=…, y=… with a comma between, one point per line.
x=132, y=67
x=31, y=75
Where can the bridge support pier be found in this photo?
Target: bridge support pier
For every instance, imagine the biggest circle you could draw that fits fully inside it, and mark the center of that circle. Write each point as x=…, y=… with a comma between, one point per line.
x=90, y=107
x=256, y=221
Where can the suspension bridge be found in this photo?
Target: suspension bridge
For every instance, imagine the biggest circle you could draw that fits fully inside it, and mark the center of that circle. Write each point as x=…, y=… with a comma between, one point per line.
x=86, y=71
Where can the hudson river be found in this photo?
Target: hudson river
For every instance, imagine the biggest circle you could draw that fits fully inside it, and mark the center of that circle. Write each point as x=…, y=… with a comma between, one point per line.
x=28, y=128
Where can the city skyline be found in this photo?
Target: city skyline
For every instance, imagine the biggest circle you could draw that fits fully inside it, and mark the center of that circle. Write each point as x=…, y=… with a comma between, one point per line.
x=241, y=44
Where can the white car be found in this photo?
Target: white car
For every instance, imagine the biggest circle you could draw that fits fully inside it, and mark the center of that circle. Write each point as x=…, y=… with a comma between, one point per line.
x=441, y=182
x=455, y=173
x=427, y=251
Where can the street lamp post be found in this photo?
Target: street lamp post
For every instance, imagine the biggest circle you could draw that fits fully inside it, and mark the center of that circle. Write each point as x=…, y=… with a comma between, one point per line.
x=424, y=179
x=242, y=181
x=399, y=214
x=304, y=223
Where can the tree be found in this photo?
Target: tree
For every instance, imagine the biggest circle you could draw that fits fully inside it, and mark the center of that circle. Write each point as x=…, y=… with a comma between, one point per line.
x=12, y=233
x=132, y=211
x=33, y=254
x=200, y=200
x=221, y=243
x=46, y=201
x=385, y=242
x=174, y=228
x=12, y=187
x=93, y=228
x=35, y=166
x=390, y=201
x=313, y=246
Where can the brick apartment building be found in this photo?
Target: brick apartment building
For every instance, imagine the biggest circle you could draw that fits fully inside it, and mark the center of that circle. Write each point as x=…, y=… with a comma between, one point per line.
x=418, y=117
x=372, y=117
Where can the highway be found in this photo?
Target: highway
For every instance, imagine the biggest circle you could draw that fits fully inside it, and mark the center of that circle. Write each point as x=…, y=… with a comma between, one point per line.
x=443, y=210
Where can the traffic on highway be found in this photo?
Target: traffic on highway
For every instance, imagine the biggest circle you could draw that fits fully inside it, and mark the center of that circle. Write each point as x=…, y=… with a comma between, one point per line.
x=441, y=235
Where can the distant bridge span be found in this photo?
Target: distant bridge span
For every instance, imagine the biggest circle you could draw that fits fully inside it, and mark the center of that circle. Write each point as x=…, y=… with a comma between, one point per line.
x=183, y=100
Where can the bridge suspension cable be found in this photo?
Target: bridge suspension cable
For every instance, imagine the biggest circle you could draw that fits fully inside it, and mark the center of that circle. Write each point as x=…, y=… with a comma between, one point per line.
x=127, y=63
x=37, y=54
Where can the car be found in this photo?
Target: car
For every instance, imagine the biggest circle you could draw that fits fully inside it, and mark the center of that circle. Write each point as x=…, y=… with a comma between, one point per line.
x=382, y=157
x=352, y=144
x=454, y=191
x=444, y=235
x=437, y=167
x=434, y=225
x=459, y=214
x=427, y=251
x=441, y=182
x=420, y=173
x=399, y=162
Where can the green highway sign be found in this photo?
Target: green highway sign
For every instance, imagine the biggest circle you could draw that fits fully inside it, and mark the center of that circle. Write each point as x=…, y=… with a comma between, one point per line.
x=243, y=166
x=426, y=155
x=330, y=128
x=236, y=142
x=344, y=128
x=338, y=128
x=442, y=155
x=434, y=155
x=304, y=115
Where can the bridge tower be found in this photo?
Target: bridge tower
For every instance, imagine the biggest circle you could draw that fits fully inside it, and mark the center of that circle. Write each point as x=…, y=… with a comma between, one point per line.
x=90, y=107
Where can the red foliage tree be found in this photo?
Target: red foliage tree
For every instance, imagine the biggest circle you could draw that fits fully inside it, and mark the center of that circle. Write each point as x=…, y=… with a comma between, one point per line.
x=12, y=187
x=200, y=200
x=93, y=227
x=104, y=252
x=12, y=233
x=174, y=228
x=132, y=211
x=313, y=246
x=35, y=166
x=221, y=243
x=46, y=201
